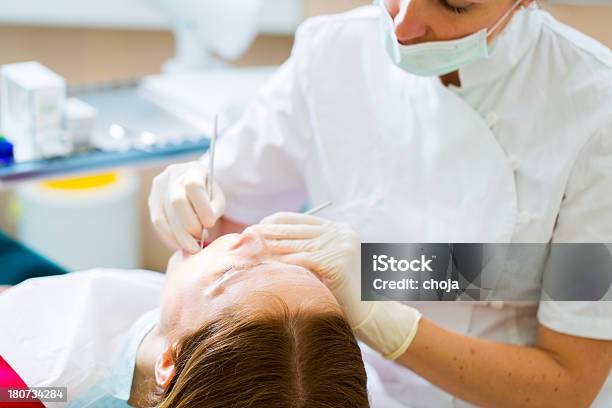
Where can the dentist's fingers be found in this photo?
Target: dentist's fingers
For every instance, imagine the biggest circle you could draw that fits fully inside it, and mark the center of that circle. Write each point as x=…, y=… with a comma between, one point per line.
x=165, y=233
x=178, y=207
x=182, y=218
x=289, y=231
x=303, y=259
x=156, y=198
x=195, y=190
x=308, y=261
x=157, y=213
x=293, y=218
x=284, y=247
x=184, y=239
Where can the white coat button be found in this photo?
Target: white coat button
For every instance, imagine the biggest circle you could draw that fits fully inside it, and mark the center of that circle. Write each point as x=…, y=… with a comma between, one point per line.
x=515, y=162
x=491, y=119
x=524, y=217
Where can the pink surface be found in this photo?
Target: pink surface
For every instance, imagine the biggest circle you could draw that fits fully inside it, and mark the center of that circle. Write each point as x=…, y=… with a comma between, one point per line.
x=10, y=379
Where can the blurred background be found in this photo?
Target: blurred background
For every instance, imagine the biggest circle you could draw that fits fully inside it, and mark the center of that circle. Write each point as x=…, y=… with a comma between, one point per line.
x=91, y=42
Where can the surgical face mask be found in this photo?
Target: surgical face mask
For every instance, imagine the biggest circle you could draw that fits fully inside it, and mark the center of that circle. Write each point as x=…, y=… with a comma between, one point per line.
x=438, y=57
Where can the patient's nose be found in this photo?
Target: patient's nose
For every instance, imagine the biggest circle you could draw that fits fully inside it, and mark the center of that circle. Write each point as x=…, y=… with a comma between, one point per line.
x=251, y=242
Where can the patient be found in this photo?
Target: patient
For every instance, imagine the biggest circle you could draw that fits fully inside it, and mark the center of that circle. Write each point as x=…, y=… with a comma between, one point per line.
x=235, y=329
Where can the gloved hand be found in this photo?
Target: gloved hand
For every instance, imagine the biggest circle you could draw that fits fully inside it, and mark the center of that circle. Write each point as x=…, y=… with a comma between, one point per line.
x=179, y=205
x=333, y=252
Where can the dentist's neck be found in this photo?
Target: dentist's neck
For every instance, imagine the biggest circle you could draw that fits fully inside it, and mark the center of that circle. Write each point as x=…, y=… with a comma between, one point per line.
x=143, y=382
x=451, y=79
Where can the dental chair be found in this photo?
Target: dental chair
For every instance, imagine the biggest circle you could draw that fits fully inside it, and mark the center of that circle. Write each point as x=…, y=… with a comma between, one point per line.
x=18, y=263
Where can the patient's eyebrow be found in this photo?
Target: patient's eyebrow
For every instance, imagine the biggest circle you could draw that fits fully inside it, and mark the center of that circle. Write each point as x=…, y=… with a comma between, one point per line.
x=243, y=267
x=235, y=268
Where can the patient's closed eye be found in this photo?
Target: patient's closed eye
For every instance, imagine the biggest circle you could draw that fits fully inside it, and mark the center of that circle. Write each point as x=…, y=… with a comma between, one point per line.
x=235, y=268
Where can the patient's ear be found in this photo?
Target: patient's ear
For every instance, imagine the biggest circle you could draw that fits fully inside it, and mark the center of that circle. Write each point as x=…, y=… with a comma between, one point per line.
x=164, y=368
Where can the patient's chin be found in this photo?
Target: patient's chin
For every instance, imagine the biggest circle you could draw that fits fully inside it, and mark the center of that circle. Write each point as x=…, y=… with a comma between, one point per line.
x=176, y=259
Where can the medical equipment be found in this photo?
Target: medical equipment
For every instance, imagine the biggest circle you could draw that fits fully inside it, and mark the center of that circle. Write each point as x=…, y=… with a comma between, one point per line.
x=133, y=139
x=95, y=160
x=211, y=162
x=437, y=57
x=79, y=120
x=33, y=100
x=319, y=208
x=117, y=103
x=6, y=151
x=82, y=222
x=211, y=173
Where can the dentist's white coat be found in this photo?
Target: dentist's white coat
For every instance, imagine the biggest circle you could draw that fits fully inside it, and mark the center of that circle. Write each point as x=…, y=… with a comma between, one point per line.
x=522, y=152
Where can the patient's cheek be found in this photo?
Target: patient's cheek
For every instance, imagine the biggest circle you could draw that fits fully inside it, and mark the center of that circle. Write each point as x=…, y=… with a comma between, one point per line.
x=167, y=315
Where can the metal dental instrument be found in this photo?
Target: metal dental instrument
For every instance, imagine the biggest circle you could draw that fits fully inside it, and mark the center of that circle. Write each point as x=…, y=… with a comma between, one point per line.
x=211, y=173
x=211, y=162
x=319, y=208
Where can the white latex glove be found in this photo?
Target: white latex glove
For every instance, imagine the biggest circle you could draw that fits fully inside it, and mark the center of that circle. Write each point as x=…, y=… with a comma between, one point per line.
x=333, y=252
x=179, y=205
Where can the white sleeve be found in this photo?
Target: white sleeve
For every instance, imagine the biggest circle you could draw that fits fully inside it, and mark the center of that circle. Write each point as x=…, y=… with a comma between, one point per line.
x=259, y=160
x=585, y=217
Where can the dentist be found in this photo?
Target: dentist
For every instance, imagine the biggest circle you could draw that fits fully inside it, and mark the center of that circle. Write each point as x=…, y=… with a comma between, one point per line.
x=435, y=121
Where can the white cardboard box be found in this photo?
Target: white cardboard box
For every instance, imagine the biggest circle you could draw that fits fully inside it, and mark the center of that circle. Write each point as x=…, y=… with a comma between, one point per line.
x=32, y=105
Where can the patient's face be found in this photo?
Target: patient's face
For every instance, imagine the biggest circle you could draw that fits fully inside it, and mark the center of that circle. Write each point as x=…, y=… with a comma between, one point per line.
x=235, y=270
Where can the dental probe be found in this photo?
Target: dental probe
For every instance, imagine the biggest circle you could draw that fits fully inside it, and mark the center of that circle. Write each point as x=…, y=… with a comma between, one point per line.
x=211, y=173
x=319, y=208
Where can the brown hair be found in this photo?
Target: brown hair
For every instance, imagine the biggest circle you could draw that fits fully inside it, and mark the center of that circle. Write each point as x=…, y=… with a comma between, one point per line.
x=305, y=359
